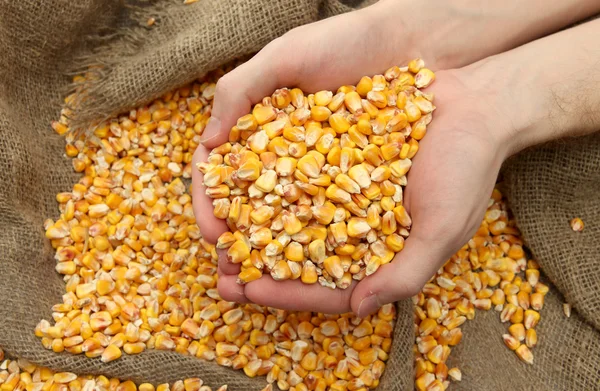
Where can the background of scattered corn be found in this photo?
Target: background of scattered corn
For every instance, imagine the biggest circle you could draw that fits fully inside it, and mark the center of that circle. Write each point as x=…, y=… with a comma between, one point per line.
x=133, y=277
x=547, y=188
x=138, y=274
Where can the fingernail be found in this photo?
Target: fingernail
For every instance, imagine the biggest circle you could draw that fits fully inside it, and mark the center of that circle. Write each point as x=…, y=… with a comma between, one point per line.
x=212, y=130
x=222, y=256
x=367, y=306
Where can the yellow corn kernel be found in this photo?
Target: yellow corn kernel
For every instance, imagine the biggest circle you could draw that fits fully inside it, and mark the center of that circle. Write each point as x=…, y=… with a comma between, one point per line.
x=220, y=191
x=395, y=242
x=377, y=98
x=537, y=301
x=531, y=338
x=372, y=192
x=249, y=274
x=319, y=113
x=402, y=216
x=517, y=331
x=134, y=348
x=111, y=353
x=531, y=319
x=424, y=381
x=364, y=86
x=291, y=224
x=281, y=98
x=524, y=354
x=281, y=271
x=238, y=252
x=267, y=181
x=336, y=194
x=309, y=273
x=424, y=78
x=577, y=224
x=339, y=123
x=294, y=252
x=339, y=232
x=317, y=251
x=263, y=114
x=347, y=184
x=352, y=101
x=333, y=265
x=357, y=227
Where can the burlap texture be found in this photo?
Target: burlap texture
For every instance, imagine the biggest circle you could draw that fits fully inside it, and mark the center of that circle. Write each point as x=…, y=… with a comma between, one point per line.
x=40, y=41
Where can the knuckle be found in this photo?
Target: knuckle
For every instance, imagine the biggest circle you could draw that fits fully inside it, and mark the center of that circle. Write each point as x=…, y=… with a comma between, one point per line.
x=225, y=84
x=277, y=43
x=291, y=34
x=343, y=301
x=409, y=289
x=398, y=288
x=222, y=289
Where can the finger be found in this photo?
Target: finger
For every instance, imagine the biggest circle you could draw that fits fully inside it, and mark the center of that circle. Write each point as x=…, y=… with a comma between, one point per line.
x=230, y=290
x=402, y=278
x=239, y=89
x=210, y=226
x=226, y=266
x=294, y=295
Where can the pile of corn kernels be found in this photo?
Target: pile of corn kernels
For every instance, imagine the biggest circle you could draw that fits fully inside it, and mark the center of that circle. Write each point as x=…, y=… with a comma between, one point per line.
x=311, y=186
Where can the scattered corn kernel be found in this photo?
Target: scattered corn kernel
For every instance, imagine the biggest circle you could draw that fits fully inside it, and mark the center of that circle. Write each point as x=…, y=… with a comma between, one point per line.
x=577, y=224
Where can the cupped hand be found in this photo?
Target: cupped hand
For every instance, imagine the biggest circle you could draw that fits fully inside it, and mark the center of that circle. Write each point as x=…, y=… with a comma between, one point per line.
x=448, y=190
x=449, y=184
x=323, y=55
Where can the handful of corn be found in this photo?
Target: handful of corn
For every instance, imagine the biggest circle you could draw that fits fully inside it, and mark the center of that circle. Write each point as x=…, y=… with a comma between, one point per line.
x=311, y=186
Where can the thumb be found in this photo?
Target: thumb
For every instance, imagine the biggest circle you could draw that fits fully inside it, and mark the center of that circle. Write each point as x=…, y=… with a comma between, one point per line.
x=244, y=86
x=402, y=278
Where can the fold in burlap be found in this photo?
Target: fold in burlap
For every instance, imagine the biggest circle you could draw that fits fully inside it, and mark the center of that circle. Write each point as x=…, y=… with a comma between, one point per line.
x=42, y=41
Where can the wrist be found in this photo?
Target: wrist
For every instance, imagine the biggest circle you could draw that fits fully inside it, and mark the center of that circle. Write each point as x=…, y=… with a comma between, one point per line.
x=448, y=34
x=501, y=109
x=541, y=97
x=421, y=28
x=510, y=99
x=455, y=33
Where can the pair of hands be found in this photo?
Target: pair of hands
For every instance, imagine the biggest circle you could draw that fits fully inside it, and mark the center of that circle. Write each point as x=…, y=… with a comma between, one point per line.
x=474, y=130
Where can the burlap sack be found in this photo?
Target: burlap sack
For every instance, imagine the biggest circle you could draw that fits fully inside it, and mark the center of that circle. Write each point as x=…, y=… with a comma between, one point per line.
x=42, y=40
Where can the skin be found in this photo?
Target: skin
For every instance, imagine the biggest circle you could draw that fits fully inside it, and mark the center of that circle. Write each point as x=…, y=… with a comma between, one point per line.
x=486, y=112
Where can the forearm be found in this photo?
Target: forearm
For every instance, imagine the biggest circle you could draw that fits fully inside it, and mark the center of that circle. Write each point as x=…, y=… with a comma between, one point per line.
x=455, y=33
x=550, y=88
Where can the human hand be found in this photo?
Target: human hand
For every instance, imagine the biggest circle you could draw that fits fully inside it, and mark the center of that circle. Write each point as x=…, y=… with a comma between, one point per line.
x=323, y=55
x=314, y=57
x=471, y=135
x=447, y=193
x=449, y=186
x=339, y=50
x=485, y=113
